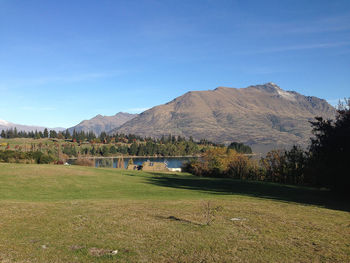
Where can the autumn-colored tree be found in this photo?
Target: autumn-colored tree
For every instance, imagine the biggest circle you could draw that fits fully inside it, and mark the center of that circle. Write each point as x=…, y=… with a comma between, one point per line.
x=275, y=165
x=239, y=165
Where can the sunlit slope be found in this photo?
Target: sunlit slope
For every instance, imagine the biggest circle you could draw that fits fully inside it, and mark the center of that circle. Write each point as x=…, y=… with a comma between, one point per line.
x=261, y=116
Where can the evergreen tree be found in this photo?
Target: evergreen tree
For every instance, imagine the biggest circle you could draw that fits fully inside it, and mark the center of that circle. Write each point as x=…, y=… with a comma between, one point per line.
x=53, y=134
x=133, y=149
x=46, y=133
x=330, y=150
x=93, y=150
x=67, y=135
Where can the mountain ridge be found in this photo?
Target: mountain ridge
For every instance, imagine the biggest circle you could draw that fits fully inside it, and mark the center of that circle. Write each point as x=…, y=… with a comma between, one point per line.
x=262, y=116
x=6, y=125
x=101, y=123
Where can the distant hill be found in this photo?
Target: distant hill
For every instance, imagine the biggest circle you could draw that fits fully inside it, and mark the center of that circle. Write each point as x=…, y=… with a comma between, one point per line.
x=101, y=123
x=5, y=125
x=262, y=116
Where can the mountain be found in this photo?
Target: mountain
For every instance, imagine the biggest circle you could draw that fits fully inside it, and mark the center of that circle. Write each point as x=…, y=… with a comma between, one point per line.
x=101, y=123
x=5, y=125
x=262, y=116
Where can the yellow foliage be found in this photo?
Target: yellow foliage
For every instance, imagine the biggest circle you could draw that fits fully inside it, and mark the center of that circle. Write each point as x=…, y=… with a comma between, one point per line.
x=227, y=162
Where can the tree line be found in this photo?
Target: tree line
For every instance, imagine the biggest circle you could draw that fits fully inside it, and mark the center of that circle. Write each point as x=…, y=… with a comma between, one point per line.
x=88, y=144
x=14, y=133
x=103, y=137
x=165, y=146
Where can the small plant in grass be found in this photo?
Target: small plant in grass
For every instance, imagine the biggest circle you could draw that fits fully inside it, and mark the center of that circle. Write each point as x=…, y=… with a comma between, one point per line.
x=209, y=212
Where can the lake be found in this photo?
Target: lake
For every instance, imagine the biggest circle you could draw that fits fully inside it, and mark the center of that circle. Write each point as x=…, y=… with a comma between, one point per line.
x=172, y=162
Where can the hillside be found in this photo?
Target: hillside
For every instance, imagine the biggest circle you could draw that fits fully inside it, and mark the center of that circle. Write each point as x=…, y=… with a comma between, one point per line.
x=101, y=123
x=262, y=116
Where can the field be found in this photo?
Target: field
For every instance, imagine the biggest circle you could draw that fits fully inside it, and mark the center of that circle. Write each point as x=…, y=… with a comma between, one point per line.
x=80, y=214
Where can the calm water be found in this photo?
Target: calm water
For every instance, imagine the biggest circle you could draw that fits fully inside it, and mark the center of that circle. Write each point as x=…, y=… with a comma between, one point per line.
x=173, y=162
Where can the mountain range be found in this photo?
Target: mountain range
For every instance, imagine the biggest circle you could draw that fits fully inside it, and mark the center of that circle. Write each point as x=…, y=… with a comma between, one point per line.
x=5, y=125
x=262, y=116
x=101, y=123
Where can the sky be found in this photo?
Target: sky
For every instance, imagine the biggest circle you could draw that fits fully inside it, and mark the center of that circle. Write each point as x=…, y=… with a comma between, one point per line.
x=65, y=61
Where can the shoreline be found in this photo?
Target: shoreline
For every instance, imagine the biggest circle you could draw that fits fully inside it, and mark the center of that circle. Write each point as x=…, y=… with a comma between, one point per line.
x=135, y=156
x=127, y=156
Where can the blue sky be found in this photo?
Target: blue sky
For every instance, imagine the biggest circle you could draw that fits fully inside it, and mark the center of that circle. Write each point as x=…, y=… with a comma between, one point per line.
x=65, y=61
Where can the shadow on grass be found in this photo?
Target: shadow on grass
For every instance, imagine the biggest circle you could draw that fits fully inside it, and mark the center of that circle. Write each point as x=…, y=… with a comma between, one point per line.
x=226, y=186
x=181, y=220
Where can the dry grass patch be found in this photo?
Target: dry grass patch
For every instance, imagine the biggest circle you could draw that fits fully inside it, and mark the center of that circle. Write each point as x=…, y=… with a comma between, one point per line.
x=141, y=231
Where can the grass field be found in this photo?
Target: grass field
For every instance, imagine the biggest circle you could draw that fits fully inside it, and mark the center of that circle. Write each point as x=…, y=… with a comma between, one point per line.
x=79, y=214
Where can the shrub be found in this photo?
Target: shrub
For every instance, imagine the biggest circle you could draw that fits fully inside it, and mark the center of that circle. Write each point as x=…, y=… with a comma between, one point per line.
x=239, y=165
x=219, y=162
x=193, y=167
x=15, y=156
x=285, y=166
x=85, y=162
x=39, y=157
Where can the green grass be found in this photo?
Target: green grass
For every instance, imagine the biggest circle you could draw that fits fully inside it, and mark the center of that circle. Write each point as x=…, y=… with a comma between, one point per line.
x=49, y=183
x=154, y=217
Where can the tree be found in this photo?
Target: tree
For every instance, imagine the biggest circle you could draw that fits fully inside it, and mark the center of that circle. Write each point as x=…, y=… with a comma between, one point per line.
x=36, y=135
x=275, y=164
x=133, y=149
x=60, y=135
x=67, y=135
x=93, y=151
x=104, y=150
x=46, y=133
x=296, y=160
x=113, y=150
x=53, y=134
x=329, y=163
x=120, y=163
x=140, y=151
x=130, y=162
x=240, y=147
